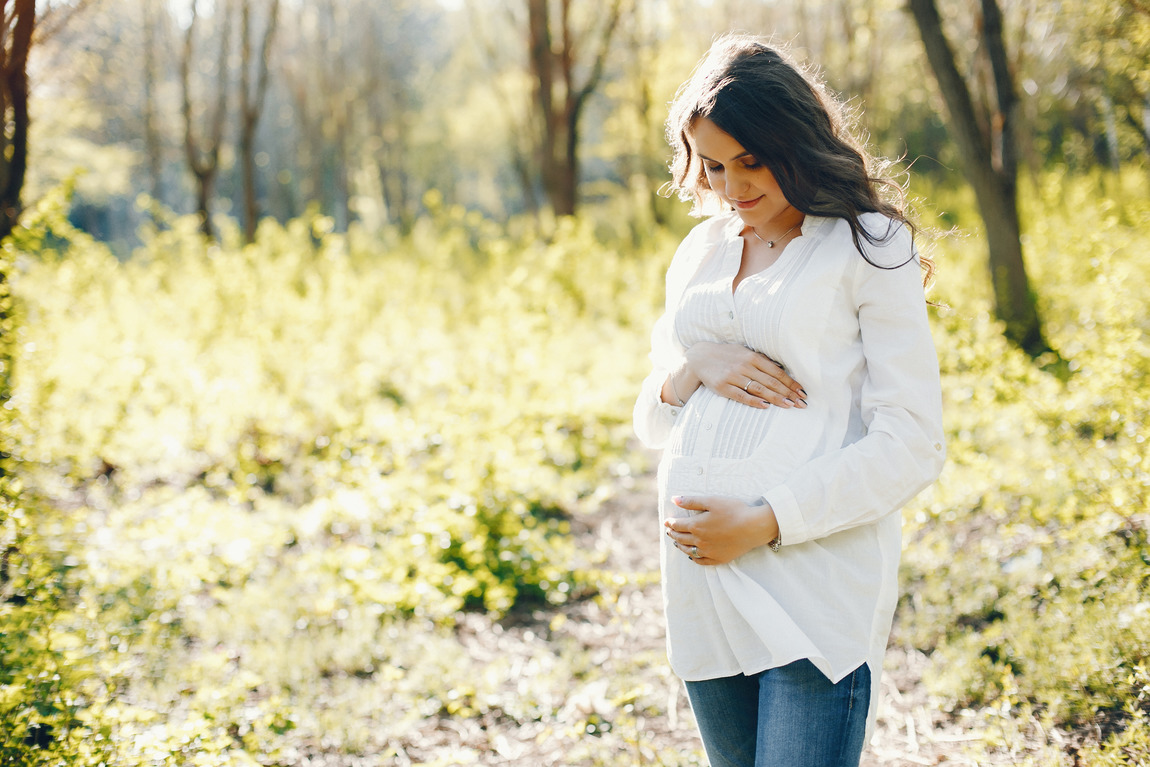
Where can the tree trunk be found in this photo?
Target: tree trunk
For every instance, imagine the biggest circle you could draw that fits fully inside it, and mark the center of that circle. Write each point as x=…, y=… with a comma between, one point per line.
x=990, y=163
x=542, y=56
x=252, y=106
x=394, y=182
x=152, y=140
x=205, y=187
x=204, y=162
x=18, y=26
x=522, y=145
x=558, y=115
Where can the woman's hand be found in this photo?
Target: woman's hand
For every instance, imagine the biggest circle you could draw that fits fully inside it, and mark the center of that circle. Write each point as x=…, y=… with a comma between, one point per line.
x=724, y=530
x=746, y=376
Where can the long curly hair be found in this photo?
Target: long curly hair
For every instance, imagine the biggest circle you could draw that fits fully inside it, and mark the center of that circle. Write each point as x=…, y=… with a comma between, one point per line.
x=787, y=119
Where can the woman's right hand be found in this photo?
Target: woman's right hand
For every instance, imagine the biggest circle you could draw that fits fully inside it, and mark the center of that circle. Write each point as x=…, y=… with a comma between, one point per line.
x=738, y=373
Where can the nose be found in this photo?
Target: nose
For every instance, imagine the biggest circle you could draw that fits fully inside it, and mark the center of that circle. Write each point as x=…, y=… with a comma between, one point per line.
x=736, y=183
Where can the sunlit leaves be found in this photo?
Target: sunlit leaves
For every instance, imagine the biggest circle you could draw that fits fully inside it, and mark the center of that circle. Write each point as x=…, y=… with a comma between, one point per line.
x=275, y=446
x=1026, y=565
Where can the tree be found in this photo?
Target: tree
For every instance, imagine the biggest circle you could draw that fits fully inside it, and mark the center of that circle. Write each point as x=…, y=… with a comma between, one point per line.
x=204, y=161
x=362, y=84
x=390, y=107
x=252, y=104
x=152, y=140
x=17, y=21
x=988, y=149
x=1115, y=65
x=520, y=142
x=559, y=99
x=325, y=84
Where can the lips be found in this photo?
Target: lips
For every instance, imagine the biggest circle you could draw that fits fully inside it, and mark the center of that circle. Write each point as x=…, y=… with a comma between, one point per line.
x=746, y=204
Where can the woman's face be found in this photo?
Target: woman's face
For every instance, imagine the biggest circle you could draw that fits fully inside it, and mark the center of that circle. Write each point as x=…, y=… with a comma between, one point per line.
x=739, y=178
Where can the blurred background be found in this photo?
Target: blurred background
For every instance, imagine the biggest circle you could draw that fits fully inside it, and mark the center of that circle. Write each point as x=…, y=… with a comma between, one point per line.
x=362, y=108
x=322, y=323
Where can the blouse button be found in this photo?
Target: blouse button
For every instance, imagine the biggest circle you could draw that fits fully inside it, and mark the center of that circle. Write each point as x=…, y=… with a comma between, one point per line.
x=730, y=315
x=699, y=470
x=674, y=412
x=937, y=446
x=707, y=427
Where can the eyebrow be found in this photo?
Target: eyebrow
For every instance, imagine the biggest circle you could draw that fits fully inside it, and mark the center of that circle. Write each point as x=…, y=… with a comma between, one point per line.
x=736, y=157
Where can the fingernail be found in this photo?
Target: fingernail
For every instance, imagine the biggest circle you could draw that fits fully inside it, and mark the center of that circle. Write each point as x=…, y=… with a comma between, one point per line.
x=790, y=402
x=677, y=499
x=765, y=403
x=803, y=392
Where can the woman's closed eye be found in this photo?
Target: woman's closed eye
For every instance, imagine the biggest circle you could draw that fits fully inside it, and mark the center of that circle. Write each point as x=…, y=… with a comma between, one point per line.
x=746, y=164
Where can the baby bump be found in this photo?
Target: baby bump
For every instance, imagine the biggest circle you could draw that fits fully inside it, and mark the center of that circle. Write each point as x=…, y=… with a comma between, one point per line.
x=740, y=454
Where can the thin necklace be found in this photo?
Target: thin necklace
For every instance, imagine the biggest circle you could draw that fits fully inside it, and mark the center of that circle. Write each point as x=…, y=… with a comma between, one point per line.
x=771, y=243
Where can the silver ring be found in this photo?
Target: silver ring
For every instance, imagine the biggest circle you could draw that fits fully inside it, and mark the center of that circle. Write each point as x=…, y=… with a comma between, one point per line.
x=747, y=385
x=694, y=551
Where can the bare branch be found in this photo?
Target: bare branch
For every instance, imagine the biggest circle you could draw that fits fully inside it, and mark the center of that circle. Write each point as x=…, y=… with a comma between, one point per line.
x=597, y=68
x=57, y=16
x=1005, y=96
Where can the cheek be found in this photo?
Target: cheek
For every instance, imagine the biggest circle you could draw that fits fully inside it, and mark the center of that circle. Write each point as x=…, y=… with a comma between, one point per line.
x=769, y=184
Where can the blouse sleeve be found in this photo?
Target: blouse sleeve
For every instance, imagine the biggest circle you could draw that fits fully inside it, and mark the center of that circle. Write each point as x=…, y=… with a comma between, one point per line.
x=653, y=418
x=903, y=449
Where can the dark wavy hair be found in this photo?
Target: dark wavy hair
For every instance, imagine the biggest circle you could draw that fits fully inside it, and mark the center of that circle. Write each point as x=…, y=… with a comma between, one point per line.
x=786, y=118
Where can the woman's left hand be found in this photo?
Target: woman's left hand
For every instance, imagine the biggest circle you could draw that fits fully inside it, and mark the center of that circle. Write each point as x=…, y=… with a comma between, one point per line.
x=724, y=529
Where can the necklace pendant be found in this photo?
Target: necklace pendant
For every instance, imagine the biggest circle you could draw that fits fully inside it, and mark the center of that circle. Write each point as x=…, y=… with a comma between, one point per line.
x=770, y=243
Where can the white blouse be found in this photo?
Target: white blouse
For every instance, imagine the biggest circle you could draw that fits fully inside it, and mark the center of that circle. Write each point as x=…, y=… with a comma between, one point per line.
x=836, y=473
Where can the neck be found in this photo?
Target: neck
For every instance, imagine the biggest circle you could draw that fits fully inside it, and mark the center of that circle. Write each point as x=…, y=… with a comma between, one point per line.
x=789, y=217
x=779, y=228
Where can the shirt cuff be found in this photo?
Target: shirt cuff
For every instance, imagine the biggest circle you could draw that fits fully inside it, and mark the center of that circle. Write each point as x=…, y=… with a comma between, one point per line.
x=653, y=417
x=664, y=410
x=792, y=529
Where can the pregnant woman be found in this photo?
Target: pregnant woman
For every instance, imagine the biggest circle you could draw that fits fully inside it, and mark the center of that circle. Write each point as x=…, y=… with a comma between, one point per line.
x=795, y=394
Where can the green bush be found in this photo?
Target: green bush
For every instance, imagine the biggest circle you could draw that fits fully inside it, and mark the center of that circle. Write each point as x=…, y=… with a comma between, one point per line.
x=265, y=481
x=1026, y=567
x=47, y=683
x=247, y=446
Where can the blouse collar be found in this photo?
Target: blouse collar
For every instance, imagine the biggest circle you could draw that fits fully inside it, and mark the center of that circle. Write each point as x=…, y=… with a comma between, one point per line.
x=734, y=225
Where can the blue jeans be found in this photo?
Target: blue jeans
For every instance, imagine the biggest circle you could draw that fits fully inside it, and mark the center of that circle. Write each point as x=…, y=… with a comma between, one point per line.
x=791, y=716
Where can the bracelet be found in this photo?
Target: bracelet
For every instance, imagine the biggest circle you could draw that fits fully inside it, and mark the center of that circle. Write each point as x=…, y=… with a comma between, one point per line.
x=777, y=543
x=671, y=380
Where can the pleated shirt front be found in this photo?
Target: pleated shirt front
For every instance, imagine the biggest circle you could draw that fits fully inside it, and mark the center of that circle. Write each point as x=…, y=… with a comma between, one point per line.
x=836, y=473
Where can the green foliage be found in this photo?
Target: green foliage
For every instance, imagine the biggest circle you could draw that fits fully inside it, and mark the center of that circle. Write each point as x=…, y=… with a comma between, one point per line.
x=1026, y=567
x=46, y=681
x=273, y=488
x=315, y=435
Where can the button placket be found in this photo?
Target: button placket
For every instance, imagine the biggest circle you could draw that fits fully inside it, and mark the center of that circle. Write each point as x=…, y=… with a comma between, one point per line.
x=705, y=441
x=728, y=323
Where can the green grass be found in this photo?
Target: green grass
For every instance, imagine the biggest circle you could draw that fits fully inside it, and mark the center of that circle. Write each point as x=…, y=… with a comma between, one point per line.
x=279, y=496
